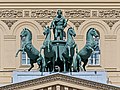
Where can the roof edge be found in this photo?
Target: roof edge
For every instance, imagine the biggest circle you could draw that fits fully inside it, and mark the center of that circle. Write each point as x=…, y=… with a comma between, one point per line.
x=60, y=77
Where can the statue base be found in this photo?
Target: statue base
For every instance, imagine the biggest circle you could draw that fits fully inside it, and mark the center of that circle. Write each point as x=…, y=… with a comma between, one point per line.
x=97, y=76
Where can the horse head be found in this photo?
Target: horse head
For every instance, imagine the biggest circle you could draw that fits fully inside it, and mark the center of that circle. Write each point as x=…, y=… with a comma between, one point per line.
x=90, y=38
x=93, y=32
x=26, y=34
x=71, y=31
x=46, y=30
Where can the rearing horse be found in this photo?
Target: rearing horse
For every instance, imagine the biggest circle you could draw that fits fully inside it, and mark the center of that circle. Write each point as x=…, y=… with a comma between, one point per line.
x=87, y=50
x=32, y=52
x=69, y=50
x=49, y=53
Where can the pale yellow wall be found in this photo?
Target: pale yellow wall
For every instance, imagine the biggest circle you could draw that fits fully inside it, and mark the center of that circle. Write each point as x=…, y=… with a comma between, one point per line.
x=109, y=37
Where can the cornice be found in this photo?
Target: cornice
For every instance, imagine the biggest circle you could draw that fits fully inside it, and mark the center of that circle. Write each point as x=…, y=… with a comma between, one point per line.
x=85, y=1
x=65, y=4
x=60, y=77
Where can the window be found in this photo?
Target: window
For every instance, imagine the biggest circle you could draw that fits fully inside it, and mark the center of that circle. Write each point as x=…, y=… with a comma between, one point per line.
x=94, y=59
x=25, y=59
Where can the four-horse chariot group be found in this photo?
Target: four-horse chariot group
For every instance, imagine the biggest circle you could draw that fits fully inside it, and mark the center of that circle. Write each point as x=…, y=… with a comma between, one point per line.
x=58, y=55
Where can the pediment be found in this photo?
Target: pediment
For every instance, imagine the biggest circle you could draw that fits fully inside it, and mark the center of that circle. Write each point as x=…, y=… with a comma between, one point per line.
x=59, y=82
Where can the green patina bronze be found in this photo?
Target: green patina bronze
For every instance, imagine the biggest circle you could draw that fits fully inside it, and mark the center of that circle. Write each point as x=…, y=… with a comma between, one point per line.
x=26, y=46
x=69, y=50
x=58, y=53
x=49, y=53
x=87, y=50
x=58, y=24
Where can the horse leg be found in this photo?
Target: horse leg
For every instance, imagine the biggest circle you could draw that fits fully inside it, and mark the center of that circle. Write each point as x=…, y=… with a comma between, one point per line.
x=31, y=65
x=52, y=64
x=69, y=51
x=78, y=62
x=70, y=60
x=49, y=64
x=85, y=63
x=55, y=34
x=64, y=61
x=53, y=61
x=78, y=69
x=18, y=52
x=61, y=35
x=40, y=64
x=50, y=67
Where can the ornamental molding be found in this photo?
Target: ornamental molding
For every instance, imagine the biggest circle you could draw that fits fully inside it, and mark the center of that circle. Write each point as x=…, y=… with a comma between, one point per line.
x=93, y=13
x=43, y=23
x=9, y=23
x=9, y=37
x=77, y=13
x=111, y=37
x=69, y=13
x=79, y=37
x=29, y=13
x=11, y=13
x=77, y=23
x=110, y=23
x=59, y=77
x=40, y=37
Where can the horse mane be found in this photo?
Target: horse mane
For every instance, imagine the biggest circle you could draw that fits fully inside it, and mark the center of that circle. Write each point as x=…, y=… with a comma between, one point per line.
x=88, y=32
x=69, y=29
x=29, y=32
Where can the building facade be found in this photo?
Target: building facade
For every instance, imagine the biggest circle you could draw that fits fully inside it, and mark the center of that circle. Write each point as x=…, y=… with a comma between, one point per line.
x=82, y=15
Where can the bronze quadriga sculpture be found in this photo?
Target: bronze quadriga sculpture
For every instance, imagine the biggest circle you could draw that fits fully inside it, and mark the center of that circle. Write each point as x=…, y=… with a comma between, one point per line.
x=58, y=53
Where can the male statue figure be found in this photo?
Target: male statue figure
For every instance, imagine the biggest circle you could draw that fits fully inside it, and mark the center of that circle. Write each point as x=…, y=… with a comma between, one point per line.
x=58, y=24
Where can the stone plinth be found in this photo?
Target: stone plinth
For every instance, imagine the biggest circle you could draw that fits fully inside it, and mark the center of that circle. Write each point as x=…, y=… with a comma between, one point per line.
x=97, y=76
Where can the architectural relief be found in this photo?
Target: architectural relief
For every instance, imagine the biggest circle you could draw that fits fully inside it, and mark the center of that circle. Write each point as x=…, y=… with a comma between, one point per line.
x=9, y=37
x=94, y=13
x=110, y=13
x=68, y=13
x=43, y=23
x=110, y=23
x=33, y=13
x=9, y=23
x=11, y=13
x=26, y=13
x=43, y=13
x=113, y=37
x=77, y=23
x=78, y=13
